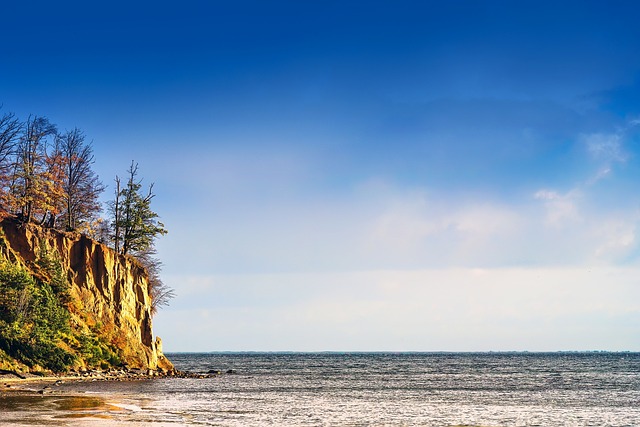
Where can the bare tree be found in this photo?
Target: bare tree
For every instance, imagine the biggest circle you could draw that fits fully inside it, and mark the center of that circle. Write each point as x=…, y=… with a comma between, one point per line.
x=80, y=185
x=160, y=293
x=10, y=128
x=115, y=209
x=32, y=190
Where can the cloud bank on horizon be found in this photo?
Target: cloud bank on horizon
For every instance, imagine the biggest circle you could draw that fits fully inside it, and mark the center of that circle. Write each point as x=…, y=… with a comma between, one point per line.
x=340, y=176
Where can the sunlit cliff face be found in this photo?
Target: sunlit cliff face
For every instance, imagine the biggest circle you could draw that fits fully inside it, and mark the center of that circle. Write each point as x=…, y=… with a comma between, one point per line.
x=109, y=293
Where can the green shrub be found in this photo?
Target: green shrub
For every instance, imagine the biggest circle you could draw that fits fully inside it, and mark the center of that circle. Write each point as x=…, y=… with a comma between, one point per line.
x=35, y=322
x=51, y=264
x=16, y=292
x=96, y=352
x=31, y=320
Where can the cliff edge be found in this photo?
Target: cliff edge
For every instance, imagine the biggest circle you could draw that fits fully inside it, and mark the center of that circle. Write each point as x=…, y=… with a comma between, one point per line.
x=105, y=295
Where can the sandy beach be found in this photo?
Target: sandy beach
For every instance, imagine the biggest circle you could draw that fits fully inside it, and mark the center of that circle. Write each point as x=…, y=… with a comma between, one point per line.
x=55, y=401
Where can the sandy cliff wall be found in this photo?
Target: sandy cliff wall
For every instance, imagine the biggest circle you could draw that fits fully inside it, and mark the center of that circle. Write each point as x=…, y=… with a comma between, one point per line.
x=108, y=291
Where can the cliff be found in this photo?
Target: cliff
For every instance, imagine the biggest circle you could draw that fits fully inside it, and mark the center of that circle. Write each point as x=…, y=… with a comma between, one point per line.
x=105, y=294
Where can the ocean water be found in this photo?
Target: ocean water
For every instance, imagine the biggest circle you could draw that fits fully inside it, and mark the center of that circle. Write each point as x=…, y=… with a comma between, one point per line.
x=361, y=389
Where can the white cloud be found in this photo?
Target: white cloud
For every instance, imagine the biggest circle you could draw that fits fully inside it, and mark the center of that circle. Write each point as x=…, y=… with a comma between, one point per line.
x=485, y=220
x=606, y=147
x=560, y=208
x=601, y=174
x=430, y=310
x=404, y=223
x=380, y=266
x=617, y=237
x=394, y=228
x=547, y=195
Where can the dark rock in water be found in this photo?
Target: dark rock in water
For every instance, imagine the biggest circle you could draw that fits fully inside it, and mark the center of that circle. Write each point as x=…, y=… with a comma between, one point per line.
x=214, y=372
x=231, y=371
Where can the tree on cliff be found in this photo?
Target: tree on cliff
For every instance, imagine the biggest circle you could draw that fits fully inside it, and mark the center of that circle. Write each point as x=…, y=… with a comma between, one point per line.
x=160, y=293
x=135, y=227
x=34, y=186
x=47, y=176
x=81, y=187
x=47, y=173
x=10, y=128
x=115, y=209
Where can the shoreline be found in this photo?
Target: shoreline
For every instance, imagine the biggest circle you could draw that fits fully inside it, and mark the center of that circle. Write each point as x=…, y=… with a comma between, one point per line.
x=58, y=401
x=19, y=382
x=62, y=400
x=41, y=385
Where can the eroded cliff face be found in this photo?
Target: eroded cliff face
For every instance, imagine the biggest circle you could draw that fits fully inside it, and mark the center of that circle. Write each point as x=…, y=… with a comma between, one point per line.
x=109, y=292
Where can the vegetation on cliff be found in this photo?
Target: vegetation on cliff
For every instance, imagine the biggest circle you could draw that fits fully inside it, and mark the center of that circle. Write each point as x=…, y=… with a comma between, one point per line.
x=135, y=227
x=65, y=300
x=46, y=177
x=36, y=327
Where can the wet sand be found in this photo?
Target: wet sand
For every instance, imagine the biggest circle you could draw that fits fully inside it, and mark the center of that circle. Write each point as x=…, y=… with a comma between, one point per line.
x=65, y=401
x=39, y=401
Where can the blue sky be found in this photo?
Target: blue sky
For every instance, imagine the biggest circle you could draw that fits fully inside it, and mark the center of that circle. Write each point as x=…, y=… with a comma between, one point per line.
x=363, y=176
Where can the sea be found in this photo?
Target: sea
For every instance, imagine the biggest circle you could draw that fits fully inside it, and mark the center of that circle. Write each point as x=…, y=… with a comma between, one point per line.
x=354, y=389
